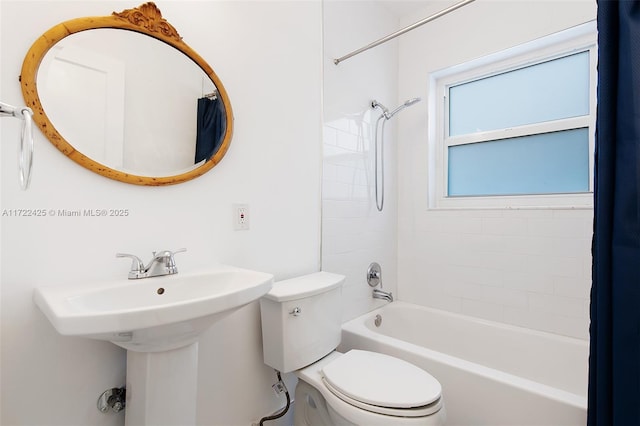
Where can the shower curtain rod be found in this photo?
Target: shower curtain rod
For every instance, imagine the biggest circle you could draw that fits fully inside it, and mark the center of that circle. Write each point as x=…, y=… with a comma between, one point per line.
x=404, y=30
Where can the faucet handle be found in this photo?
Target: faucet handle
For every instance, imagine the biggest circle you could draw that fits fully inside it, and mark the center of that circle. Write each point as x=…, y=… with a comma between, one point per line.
x=137, y=266
x=172, y=264
x=168, y=259
x=168, y=252
x=374, y=275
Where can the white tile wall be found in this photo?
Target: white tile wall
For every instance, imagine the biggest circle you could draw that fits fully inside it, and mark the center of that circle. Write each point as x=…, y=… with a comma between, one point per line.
x=354, y=233
x=520, y=273
x=525, y=267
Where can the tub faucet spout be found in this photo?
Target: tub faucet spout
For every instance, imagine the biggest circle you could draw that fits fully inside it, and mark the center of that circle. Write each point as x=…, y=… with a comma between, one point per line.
x=381, y=294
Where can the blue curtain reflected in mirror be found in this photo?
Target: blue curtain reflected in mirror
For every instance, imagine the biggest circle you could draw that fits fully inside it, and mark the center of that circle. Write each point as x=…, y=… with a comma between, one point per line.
x=211, y=128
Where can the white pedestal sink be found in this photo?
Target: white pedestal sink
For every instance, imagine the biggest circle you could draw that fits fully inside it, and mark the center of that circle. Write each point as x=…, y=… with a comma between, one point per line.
x=158, y=320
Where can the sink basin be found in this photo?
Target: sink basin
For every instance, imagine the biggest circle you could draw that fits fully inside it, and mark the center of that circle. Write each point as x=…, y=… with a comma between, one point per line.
x=151, y=314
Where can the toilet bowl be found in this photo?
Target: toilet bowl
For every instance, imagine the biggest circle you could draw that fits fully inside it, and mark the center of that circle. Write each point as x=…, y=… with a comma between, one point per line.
x=301, y=329
x=343, y=389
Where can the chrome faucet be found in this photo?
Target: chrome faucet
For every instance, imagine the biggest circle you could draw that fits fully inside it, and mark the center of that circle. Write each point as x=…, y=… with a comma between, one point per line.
x=374, y=277
x=163, y=263
x=381, y=294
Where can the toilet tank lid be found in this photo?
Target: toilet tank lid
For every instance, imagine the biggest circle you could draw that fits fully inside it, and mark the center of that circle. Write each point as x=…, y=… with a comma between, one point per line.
x=304, y=286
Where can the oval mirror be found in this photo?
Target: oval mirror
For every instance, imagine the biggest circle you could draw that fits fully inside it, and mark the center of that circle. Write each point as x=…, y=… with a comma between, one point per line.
x=125, y=97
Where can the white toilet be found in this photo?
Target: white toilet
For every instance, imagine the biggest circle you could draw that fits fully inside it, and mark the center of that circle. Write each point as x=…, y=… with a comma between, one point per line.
x=301, y=328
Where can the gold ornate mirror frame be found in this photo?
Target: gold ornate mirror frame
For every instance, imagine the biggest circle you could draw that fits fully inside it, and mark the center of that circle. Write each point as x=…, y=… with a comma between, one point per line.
x=146, y=19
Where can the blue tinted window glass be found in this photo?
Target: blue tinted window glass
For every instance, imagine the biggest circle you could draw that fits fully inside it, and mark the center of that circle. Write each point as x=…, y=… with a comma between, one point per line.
x=547, y=91
x=547, y=163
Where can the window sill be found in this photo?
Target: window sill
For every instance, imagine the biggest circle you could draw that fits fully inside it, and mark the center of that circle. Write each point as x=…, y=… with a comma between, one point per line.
x=582, y=201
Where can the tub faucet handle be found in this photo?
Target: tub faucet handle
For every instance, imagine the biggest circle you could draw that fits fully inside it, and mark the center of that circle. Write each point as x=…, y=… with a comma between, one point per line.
x=374, y=274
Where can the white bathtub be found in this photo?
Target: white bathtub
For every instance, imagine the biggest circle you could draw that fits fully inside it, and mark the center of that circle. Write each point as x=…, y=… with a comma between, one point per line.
x=491, y=373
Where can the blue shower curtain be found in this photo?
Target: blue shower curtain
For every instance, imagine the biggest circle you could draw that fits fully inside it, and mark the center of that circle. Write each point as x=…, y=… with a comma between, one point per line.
x=211, y=126
x=614, y=361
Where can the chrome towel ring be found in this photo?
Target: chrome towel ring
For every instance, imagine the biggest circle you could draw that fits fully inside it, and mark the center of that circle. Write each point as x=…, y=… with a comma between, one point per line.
x=25, y=154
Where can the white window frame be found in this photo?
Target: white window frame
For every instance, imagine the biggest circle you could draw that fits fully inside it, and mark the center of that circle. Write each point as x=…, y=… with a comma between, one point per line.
x=571, y=41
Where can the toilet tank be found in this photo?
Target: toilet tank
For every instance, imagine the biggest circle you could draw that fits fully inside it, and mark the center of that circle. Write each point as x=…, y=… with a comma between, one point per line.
x=301, y=320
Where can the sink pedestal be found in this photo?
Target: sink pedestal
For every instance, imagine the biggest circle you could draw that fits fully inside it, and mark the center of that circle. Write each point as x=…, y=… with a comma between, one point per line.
x=162, y=387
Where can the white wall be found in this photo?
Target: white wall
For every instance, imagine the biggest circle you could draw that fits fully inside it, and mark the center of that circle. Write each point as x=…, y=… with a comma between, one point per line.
x=273, y=164
x=527, y=267
x=354, y=233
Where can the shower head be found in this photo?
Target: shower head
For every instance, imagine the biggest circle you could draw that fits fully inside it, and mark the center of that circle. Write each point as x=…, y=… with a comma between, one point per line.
x=401, y=107
x=412, y=101
x=385, y=110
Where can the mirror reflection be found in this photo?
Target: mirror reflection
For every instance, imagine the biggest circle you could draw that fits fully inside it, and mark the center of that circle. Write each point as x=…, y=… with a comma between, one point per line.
x=129, y=101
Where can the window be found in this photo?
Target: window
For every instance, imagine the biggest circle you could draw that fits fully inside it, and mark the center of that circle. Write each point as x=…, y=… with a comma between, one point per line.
x=516, y=129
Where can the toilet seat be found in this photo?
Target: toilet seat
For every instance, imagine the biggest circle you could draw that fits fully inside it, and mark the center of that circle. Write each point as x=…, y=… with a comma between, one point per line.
x=382, y=384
